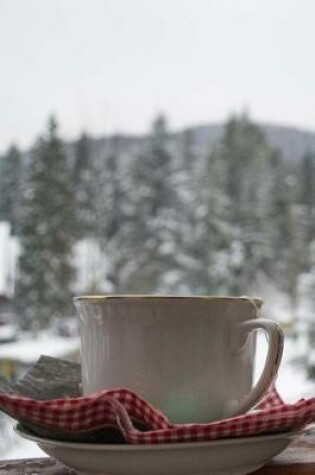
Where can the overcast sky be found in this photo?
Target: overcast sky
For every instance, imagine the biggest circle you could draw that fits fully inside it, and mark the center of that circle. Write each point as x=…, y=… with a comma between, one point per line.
x=111, y=65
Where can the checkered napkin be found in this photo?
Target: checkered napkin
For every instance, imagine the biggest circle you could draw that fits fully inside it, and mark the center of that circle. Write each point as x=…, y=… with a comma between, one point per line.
x=122, y=416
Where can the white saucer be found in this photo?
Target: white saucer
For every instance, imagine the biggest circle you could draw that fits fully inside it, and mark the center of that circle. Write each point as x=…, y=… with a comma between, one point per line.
x=237, y=456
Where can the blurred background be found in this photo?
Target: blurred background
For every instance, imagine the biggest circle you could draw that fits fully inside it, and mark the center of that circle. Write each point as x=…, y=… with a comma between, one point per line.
x=155, y=147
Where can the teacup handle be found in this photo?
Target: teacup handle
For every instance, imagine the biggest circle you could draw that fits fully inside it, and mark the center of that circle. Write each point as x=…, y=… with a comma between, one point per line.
x=273, y=358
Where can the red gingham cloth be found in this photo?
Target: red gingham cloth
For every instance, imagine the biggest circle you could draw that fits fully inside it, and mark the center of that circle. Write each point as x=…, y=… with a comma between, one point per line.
x=121, y=408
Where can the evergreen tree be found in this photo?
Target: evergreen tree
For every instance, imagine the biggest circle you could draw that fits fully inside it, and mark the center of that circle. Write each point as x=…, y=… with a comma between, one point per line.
x=154, y=219
x=113, y=218
x=46, y=272
x=85, y=180
x=248, y=159
x=10, y=187
x=202, y=220
x=306, y=199
x=277, y=226
x=189, y=214
x=216, y=229
x=307, y=185
x=188, y=162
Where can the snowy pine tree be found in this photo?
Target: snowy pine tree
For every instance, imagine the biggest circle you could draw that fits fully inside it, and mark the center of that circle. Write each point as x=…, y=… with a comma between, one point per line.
x=277, y=223
x=248, y=158
x=11, y=174
x=85, y=180
x=188, y=253
x=113, y=218
x=47, y=229
x=154, y=228
x=216, y=229
x=306, y=198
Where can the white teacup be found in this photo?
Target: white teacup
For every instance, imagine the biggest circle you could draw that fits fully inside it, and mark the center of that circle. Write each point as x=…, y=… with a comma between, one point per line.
x=189, y=356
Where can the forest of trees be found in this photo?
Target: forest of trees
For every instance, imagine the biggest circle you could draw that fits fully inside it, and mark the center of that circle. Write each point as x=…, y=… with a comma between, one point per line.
x=167, y=217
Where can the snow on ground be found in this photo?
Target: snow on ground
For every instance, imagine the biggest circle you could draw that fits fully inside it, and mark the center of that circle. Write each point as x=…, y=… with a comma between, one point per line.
x=21, y=448
x=28, y=349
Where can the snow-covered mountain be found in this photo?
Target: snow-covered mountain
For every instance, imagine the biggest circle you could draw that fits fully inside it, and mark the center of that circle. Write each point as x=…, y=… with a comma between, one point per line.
x=292, y=142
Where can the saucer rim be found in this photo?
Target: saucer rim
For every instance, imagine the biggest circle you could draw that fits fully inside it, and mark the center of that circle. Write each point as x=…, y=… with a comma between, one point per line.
x=156, y=446
x=104, y=298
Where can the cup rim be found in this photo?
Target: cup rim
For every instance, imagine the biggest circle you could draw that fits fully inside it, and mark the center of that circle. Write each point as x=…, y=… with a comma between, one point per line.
x=136, y=297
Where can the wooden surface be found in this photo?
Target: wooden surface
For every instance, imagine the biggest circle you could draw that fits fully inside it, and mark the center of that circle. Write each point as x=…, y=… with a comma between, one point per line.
x=298, y=459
